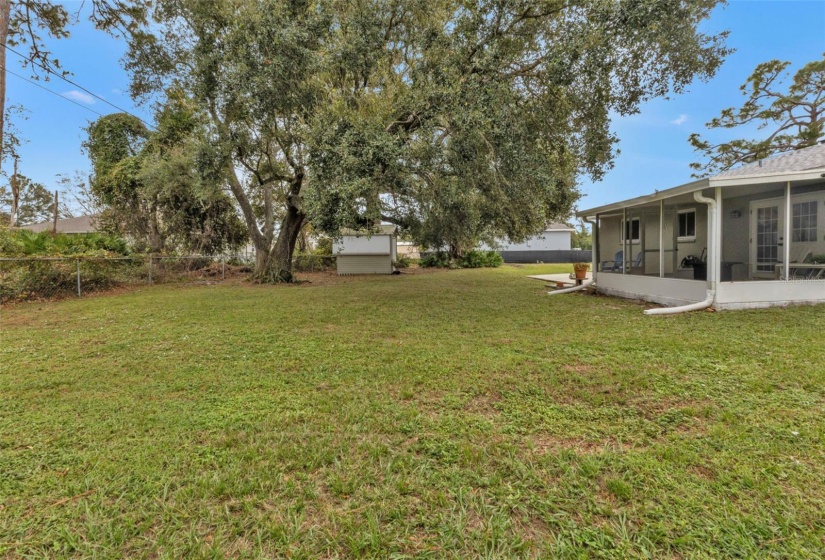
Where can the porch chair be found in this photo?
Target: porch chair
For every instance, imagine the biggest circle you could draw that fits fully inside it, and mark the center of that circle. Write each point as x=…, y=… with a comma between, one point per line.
x=617, y=264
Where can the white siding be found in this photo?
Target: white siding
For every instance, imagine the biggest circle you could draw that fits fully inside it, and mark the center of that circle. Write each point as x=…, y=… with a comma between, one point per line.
x=364, y=264
x=550, y=240
x=377, y=244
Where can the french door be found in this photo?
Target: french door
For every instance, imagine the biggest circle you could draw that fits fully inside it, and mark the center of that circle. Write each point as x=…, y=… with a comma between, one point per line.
x=767, y=236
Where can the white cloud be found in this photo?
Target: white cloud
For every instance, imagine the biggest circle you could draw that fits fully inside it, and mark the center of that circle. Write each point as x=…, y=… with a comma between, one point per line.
x=117, y=91
x=75, y=95
x=681, y=119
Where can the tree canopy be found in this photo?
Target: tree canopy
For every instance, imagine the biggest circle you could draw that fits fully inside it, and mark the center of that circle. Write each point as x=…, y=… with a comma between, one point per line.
x=25, y=23
x=454, y=120
x=795, y=114
x=148, y=184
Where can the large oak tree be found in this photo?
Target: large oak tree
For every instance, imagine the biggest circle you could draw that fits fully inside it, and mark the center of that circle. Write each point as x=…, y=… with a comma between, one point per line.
x=453, y=119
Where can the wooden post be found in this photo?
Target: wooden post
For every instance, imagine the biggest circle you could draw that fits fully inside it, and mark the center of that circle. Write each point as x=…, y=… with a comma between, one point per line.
x=78, y=277
x=54, y=222
x=150, y=269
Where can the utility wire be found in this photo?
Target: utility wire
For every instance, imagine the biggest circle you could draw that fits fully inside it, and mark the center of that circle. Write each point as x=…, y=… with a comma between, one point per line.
x=32, y=82
x=75, y=84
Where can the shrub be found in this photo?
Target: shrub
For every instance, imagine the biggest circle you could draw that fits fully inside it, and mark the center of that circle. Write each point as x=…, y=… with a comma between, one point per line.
x=438, y=259
x=470, y=259
x=323, y=246
x=313, y=263
x=480, y=259
x=24, y=242
x=402, y=262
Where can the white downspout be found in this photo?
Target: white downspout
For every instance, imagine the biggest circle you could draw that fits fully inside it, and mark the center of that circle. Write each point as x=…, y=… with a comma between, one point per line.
x=585, y=284
x=713, y=232
x=593, y=258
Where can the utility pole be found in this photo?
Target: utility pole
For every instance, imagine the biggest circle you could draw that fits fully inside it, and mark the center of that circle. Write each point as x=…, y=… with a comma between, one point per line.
x=14, y=183
x=5, y=15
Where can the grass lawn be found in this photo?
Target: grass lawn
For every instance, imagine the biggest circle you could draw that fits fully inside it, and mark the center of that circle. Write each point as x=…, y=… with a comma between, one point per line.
x=454, y=414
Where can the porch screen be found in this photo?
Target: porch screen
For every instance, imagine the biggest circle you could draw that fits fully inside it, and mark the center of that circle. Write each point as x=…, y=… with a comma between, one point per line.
x=804, y=222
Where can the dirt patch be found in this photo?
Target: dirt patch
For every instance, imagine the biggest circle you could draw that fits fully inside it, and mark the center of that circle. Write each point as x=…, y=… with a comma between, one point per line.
x=483, y=404
x=547, y=443
x=579, y=368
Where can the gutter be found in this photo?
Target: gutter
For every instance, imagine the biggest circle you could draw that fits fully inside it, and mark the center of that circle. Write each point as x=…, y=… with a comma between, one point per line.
x=586, y=284
x=713, y=231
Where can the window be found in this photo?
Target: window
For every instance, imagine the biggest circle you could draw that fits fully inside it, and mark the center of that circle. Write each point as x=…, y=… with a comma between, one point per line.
x=804, y=222
x=631, y=230
x=687, y=225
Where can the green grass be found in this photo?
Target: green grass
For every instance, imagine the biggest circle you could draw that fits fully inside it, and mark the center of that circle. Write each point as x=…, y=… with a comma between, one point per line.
x=459, y=414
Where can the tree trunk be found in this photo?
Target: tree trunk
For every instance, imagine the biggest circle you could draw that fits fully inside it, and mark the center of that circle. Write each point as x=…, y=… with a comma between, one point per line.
x=455, y=251
x=275, y=265
x=5, y=13
x=156, y=240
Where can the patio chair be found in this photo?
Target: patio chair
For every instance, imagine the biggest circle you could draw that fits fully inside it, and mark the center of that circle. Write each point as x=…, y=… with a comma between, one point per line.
x=614, y=265
x=617, y=264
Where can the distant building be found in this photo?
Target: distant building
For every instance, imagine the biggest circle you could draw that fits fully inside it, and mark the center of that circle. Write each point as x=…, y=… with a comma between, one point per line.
x=81, y=224
x=550, y=245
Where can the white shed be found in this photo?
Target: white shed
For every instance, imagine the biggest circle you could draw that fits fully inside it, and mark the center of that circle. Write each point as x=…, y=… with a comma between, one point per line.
x=364, y=252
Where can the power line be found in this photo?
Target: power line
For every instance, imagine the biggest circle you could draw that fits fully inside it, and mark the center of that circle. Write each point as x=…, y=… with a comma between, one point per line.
x=32, y=82
x=75, y=84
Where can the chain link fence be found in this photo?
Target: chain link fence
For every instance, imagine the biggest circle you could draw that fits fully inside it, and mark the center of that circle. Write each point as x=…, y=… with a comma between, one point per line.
x=35, y=278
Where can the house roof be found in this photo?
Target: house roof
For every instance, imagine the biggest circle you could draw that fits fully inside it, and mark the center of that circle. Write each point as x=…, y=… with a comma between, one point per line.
x=806, y=164
x=558, y=226
x=805, y=159
x=81, y=224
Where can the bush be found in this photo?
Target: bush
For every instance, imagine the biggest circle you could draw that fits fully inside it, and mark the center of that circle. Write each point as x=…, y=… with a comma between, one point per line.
x=439, y=259
x=37, y=279
x=323, y=246
x=470, y=259
x=24, y=242
x=402, y=262
x=480, y=259
x=313, y=263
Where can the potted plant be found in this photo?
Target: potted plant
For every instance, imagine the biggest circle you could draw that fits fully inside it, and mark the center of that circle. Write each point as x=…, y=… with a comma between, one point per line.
x=580, y=269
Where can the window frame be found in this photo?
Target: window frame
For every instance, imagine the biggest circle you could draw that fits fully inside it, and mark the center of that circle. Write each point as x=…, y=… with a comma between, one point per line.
x=685, y=238
x=797, y=230
x=633, y=240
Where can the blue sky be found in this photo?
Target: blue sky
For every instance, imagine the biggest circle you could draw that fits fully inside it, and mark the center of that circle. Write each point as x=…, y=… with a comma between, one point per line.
x=654, y=149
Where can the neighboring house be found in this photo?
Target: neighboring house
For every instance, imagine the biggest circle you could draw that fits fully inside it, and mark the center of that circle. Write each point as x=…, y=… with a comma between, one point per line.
x=744, y=238
x=550, y=245
x=81, y=224
x=408, y=249
x=361, y=252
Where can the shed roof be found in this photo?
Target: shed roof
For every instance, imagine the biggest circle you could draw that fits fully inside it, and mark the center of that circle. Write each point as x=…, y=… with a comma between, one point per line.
x=382, y=229
x=80, y=224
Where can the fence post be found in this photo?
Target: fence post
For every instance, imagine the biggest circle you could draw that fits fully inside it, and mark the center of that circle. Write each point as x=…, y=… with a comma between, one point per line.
x=150, y=269
x=223, y=267
x=78, y=277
